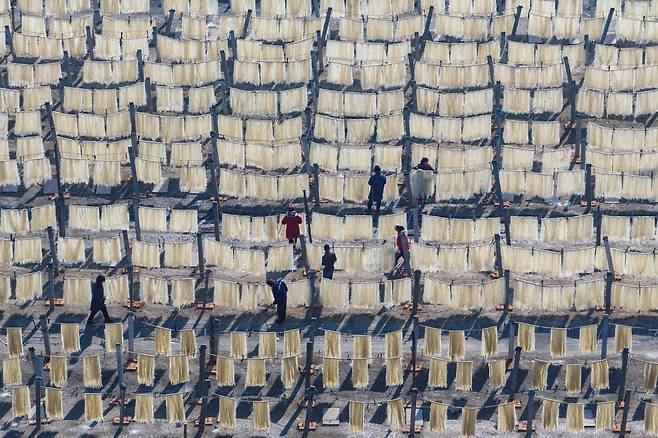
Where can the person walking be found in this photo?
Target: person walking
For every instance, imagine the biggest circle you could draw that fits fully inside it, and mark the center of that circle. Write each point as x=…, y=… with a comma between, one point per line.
x=98, y=301
x=292, y=222
x=401, y=242
x=328, y=261
x=376, y=182
x=280, y=293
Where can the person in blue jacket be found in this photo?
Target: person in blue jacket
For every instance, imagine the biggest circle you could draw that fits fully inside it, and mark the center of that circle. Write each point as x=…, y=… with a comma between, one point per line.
x=376, y=182
x=280, y=293
x=98, y=301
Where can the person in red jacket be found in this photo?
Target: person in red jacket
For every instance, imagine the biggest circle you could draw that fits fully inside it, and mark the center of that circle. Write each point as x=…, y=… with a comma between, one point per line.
x=401, y=241
x=292, y=221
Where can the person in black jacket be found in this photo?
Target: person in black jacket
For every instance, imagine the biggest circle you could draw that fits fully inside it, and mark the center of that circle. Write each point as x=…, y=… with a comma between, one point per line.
x=280, y=293
x=328, y=261
x=376, y=182
x=425, y=164
x=98, y=301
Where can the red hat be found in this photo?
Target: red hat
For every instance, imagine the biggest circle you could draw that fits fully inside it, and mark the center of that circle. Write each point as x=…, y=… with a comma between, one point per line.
x=291, y=208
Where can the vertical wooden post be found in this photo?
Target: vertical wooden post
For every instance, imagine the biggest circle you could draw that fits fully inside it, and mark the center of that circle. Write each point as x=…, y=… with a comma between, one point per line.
x=414, y=350
x=415, y=293
x=316, y=191
x=170, y=19
x=598, y=223
x=312, y=274
x=589, y=187
x=309, y=363
x=205, y=384
x=122, y=404
x=309, y=394
x=43, y=324
x=131, y=335
x=606, y=27
x=129, y=268
x=202, y=370
x=412, y=420
x=604, y=337
x=511, y=335
x=212, y=336
x=205, y=288
x=509, y=299
x=531, y=413
x=37, y=362
x=53, y=249
x=428, y=22
x=89, y=40
x=51, y=287
x=499, y=255
x=245, y=28
x=199, y=247
x=608, y=255
x=515, y=373
x=136, y=192
x=307, y=213
x=506, y=224
x=325, y=25
x=624, y=370
x=517, y=18
x=607, y=298
x=119, y=357
x=9, y=41
x=38, y=383
x=624, y=416
x=406, y=254
x=215, y=219
x=302, y=244
x=59, y=204
x=216, y=331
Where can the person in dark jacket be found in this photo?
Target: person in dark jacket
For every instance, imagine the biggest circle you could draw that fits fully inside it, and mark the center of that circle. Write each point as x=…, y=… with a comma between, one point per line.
x=425, y=164
x=328, y=261
x=376, y=182
x=280, y=293
x=98, y=301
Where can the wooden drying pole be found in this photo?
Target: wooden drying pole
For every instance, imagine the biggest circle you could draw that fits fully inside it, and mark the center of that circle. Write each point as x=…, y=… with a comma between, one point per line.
x=309, y=390
x=213, y=163
x=129, y=268
x=606, y=27
x=133, y=169
x=609, y=279
x=59, y=203
x=517, y=19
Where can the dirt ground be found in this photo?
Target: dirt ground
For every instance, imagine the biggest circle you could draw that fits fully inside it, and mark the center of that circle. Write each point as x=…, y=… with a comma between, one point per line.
x=285, y=412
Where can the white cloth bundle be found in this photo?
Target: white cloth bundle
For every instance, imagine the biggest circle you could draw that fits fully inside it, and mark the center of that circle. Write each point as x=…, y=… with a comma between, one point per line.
x=153, y=219
x=83, y=217
x=77, y=290
x=182, y=292
x=178, y=254
x=149, y=172
x=71, y=250
x=153, y=290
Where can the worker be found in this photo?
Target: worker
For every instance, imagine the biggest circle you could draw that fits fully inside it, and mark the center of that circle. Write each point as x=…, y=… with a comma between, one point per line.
x=98, y=301
x=376, y=182
x=280, y=294
x=402, y=247
x=421, y=182
x=292, y=221
x=425, y=164
x=328, y=261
